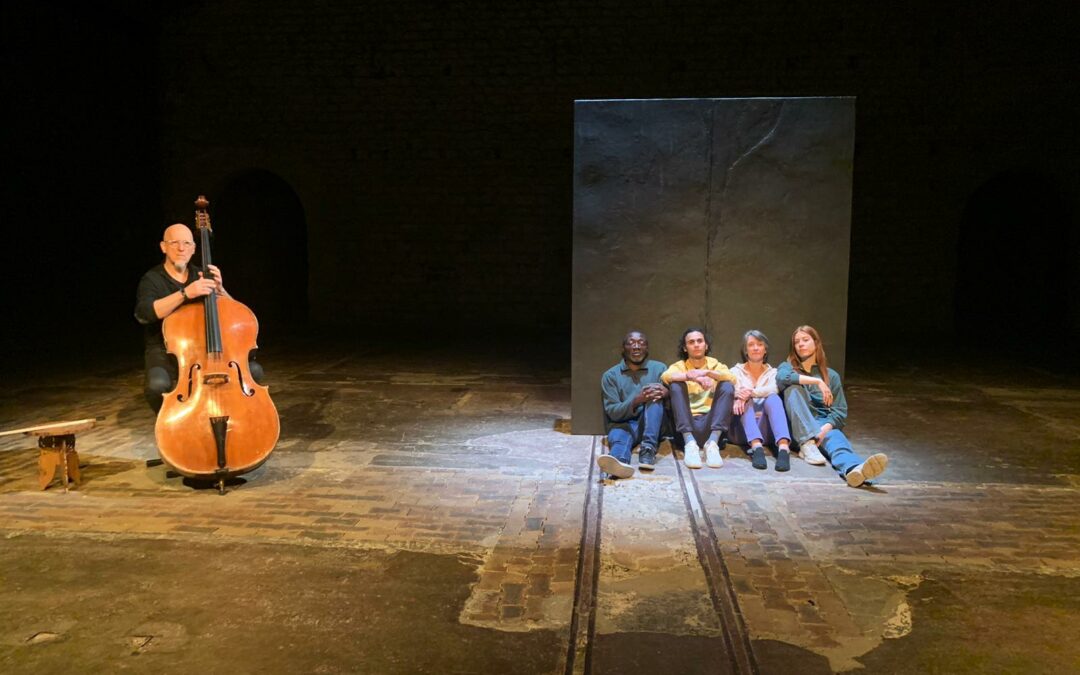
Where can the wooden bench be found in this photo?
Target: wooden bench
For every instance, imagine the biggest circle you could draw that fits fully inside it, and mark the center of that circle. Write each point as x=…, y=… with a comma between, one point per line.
x=57, y=443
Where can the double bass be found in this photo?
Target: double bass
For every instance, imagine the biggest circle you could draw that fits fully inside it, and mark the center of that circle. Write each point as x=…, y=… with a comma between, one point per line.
x=218, y=422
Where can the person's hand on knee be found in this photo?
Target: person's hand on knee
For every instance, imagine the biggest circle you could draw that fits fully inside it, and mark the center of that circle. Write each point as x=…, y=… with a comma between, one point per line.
x=825, y=429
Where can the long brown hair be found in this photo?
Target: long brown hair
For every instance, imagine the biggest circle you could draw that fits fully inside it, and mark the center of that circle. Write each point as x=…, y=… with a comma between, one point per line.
x=819, y=352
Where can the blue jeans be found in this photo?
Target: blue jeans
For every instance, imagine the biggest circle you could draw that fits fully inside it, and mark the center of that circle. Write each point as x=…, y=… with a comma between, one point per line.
x=644, y=429
x=804, y=426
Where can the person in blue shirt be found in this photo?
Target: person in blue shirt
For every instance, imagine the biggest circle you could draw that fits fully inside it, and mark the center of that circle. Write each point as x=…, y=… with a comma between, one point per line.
x=633, y=399
x=817, y=410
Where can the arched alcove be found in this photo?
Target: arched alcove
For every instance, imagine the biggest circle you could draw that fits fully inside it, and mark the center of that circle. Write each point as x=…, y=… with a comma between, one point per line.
x=1012, y=286
x=261, y=241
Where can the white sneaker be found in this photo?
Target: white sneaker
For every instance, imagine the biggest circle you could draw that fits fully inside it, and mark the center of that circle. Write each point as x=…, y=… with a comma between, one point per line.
x=873, y=467
x=614, y=467
x=712, y=455
x=692, y=455
x=811, y=455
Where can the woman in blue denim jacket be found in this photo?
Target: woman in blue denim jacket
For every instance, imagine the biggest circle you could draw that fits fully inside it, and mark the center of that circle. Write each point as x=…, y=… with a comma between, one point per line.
x=817, y=410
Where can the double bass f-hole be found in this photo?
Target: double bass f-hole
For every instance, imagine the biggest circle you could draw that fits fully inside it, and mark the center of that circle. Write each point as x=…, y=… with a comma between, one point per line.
x=190, y=382
x=248, y=391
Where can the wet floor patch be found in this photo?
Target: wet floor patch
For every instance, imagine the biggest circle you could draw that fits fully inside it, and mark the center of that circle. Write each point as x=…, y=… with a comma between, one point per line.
x=985, y=623
x=649, y=652
x=181, y=607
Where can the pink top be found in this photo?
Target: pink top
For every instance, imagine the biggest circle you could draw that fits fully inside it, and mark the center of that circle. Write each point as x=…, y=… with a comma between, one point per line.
x=765, y=385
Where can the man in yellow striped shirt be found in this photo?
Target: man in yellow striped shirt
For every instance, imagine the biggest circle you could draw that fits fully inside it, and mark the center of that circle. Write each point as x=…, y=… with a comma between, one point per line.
x=702, y=392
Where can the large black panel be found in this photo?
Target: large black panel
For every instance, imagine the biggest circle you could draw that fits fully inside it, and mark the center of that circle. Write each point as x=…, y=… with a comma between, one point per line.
x=727, y=213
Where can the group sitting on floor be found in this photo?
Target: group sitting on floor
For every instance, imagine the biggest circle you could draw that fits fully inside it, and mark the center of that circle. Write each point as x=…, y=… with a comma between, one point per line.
x=796, y=407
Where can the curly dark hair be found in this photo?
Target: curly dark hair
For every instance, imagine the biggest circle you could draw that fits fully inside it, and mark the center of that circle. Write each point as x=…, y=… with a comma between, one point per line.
x=682, y=342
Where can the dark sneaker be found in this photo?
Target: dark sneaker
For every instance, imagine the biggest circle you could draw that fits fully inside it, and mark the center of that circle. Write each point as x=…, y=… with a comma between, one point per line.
x=783, y=460
x=614, y=467
x=646, y=458
x=757, y=458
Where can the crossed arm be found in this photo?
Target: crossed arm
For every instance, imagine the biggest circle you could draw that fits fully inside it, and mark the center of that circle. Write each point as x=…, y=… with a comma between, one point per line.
x=703, y=376
x=619, y=409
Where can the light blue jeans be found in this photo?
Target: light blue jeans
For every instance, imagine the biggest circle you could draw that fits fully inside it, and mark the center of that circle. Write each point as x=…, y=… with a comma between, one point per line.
x=804, y=426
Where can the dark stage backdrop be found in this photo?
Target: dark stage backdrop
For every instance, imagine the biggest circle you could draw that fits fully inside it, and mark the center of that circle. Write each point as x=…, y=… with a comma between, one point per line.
x=725, y=213
x=408, y=165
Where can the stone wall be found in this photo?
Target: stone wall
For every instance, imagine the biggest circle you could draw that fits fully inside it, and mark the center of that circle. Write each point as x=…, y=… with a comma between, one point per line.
x=430, y=143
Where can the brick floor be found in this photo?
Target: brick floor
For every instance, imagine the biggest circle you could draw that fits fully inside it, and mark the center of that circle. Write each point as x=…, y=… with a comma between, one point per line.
x=475, y=461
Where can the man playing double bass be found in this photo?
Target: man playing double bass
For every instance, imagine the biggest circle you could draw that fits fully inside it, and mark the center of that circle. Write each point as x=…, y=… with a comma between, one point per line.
x=162, y=290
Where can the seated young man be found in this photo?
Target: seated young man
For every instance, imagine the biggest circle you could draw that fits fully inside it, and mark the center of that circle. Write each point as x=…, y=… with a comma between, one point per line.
x=702, y=393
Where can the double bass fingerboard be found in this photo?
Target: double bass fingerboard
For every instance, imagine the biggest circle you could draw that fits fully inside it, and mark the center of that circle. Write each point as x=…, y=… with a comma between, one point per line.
x=213, y=324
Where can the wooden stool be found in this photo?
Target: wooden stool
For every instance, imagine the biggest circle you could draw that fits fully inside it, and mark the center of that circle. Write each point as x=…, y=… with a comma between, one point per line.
x=57, y=443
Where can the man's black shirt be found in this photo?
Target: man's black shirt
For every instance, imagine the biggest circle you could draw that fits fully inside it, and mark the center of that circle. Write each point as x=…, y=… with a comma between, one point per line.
x=155, y=285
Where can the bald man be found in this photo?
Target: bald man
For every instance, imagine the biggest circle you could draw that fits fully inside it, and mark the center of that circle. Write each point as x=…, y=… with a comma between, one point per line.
x=161, y=291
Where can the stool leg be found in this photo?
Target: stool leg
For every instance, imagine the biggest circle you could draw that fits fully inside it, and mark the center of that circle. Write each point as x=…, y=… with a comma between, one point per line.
x=63, y=462
x=47, y=461
x=73, y=466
